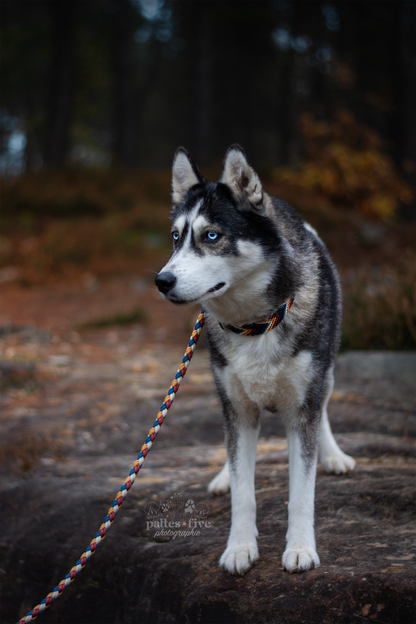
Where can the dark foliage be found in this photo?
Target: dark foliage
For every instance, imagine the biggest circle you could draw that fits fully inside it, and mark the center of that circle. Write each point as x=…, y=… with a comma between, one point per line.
x=129, y=81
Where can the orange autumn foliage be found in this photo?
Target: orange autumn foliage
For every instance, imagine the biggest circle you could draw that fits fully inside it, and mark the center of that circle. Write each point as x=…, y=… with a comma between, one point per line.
x=346, y=165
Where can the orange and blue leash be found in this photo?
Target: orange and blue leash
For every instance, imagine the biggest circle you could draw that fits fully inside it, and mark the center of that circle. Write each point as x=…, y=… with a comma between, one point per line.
x=121, y=495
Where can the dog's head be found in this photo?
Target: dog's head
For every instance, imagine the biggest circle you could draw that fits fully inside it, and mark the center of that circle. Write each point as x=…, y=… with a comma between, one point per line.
x=222, y=236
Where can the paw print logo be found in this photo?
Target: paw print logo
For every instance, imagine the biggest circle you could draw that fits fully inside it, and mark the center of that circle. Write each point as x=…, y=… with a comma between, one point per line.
x=172, y=507
x=190, y=507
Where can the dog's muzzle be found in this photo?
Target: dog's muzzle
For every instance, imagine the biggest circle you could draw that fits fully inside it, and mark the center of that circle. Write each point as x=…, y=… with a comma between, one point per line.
x=165, y=281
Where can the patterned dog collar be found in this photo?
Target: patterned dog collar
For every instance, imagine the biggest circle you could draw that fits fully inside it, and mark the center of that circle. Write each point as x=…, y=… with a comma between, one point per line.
x=261, y=327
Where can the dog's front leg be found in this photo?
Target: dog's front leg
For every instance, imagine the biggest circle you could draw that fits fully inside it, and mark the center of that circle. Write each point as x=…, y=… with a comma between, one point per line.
x=241, y=441
x=300, y=553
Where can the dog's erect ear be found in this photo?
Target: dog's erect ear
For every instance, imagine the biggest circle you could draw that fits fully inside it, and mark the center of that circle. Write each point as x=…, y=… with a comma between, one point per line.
x=241, y=177
x=185, y=174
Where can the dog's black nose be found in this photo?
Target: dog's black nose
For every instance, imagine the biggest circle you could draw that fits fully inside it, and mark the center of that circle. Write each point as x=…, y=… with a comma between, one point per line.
x=165, y=282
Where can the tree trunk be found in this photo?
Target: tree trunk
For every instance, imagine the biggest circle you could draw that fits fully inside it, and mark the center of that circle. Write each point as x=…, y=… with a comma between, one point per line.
x=61, y=82
x=124, y=124
x=406, y=99
x=203, y=86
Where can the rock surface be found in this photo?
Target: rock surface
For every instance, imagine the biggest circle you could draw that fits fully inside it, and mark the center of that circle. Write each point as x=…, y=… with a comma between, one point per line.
x=85, y=417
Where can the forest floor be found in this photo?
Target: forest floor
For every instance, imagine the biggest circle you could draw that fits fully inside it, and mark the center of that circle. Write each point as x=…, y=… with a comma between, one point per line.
x=77, y=402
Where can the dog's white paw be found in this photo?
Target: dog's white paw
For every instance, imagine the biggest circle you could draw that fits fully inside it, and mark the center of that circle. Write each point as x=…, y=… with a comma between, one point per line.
x=338, y=463
x=239, y=558
x=300, y=559
x=221, y=483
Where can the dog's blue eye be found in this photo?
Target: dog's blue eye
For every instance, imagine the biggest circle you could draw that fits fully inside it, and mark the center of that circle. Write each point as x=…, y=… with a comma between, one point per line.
x=175, y=236
x=212, y=236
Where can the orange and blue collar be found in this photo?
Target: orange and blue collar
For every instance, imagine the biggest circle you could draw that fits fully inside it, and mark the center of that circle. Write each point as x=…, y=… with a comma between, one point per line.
x=261, y=327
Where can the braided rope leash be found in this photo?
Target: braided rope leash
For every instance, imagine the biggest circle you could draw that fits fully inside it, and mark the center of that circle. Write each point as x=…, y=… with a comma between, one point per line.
x=121, y=495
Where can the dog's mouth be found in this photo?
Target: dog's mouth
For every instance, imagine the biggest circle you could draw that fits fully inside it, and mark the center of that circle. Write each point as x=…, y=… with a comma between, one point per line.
x=217, y=287
x=214, y=289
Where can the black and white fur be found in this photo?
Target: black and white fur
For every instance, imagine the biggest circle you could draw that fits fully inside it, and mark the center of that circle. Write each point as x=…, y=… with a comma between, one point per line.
x=243, y=254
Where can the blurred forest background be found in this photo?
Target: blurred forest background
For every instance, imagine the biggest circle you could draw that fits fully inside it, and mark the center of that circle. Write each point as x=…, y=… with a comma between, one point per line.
x=96, y=95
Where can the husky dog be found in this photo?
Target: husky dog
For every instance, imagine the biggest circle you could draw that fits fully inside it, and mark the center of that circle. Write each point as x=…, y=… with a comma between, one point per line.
x=273, y=311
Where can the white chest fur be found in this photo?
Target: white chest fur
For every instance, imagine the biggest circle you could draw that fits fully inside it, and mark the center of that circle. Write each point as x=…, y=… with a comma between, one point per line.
x=263, y=372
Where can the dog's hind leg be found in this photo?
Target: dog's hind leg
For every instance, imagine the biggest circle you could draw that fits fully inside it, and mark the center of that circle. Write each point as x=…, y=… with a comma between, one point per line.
x=221, y=483
x=300, y=553
x=331, y=457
